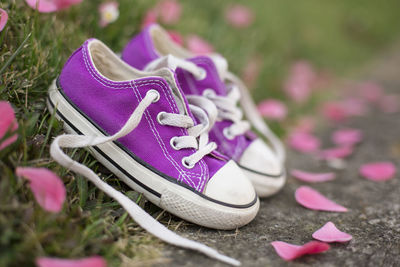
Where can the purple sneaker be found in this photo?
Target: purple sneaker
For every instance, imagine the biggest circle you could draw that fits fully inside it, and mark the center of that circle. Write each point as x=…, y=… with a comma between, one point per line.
x=208, y=76
x=165, y=155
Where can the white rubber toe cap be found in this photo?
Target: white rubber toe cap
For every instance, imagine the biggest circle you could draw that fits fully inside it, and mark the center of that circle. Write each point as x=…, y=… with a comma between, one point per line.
x=229, y=185
x=262, y=168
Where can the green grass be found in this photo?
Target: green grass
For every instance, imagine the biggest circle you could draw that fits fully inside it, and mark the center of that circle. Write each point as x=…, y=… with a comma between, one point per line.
x=337, y=36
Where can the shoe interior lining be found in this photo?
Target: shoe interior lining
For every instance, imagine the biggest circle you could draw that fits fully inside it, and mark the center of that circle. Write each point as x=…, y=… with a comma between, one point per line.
x=111, y=67
x=165, y=45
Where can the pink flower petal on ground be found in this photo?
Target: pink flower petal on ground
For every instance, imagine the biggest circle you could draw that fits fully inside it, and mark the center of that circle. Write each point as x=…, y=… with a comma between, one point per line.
x=378, y=171
x=336, y=152
x=46, y=6
x=347, y=136
x=46, y=186
x=329, y=233
x=170, y=11
x=273, y=109
x=176, y=37
x=309, y=198
x=198, y=46
x=370, y=91
x=3, y=19
x=149, y=18
x=95, y=261
x=312, y=177
x=389, y=103
x=239, y=16
x=304, y=142
x=290, y=252
x=8, y=125
x=298, y=85
x=334, y=111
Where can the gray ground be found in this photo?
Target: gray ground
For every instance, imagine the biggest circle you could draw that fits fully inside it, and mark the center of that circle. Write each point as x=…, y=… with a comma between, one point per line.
x=373, y=219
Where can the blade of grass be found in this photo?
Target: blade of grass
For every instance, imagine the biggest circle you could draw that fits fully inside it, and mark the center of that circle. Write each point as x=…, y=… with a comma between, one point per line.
x=15, y=54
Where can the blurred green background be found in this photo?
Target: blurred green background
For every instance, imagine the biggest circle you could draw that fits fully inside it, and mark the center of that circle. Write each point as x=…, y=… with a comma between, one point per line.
x=335, y=36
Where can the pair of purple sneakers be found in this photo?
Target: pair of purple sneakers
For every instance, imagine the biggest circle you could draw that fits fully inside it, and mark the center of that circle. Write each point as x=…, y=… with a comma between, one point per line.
x=167, y=123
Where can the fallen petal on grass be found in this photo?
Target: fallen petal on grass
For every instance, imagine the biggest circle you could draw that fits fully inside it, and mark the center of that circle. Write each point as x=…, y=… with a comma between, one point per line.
x=8, y=125
x=95, y=261
x=46, y=6
x=170, y=11
x=46, y=186
x=378, y=171
x=347, y=137
x=310, y=198
x=198, y=45
x=272, y=109
x=290, y=252
x=239, y=16
x=312, y=177
x=3, y=19
x=329, y=233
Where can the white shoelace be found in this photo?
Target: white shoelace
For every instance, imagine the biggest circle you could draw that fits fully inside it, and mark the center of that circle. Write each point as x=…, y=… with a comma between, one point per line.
x=228, y=105
x=142, y=218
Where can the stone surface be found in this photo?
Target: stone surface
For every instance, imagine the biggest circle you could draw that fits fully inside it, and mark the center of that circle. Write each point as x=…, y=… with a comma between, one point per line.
x=374, y=208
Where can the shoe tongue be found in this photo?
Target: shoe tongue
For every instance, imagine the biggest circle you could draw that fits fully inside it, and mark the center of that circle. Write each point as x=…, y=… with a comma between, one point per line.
x=170, y=77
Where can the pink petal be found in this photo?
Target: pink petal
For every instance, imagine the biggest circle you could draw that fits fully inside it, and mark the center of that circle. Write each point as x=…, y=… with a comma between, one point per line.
x=3, y=19
x=46, y=186
x=378, y=171
x=370, y=91
x=46, y=6
x=239, y=16
x=389, y=103
x=329, y=233
x=312, y=177
x=298, y=85
x=176, y=37
x=149, y=18
x=309, y=198
x=198, y=46
x=304, y=142
x=334, y=111
x=273, y=109
x=170, y=11
x=347, y=137
x=290, y=252
x=8, y=124
x=95, y=261
x=336, y=152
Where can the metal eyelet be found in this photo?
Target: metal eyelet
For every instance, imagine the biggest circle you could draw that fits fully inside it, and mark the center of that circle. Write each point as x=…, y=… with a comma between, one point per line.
x=227, y=133
x=209, y=92
x=185, y=164
x=202, y=75
x=159, y=117
x=153, y=91
x=172, y=143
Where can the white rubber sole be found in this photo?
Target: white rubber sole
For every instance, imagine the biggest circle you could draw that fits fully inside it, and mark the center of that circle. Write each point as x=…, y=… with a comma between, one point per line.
x=165, y=193
x=265, y=186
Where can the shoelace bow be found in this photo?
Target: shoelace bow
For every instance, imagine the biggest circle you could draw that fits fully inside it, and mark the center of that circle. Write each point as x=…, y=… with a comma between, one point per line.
x=142, y=218
x=228, y=105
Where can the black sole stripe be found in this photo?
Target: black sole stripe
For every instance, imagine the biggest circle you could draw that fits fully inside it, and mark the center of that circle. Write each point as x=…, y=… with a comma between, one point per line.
x=261, y=173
